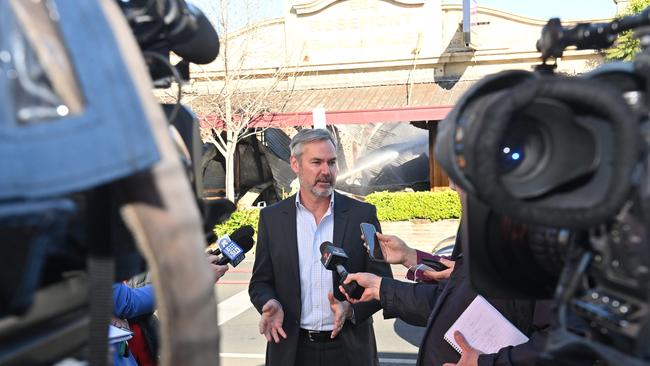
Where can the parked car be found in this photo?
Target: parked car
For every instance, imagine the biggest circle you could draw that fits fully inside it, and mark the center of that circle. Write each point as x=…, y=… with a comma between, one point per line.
x=445, y=246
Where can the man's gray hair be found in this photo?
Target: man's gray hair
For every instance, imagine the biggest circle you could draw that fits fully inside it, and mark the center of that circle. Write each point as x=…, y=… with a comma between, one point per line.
x=308, y=135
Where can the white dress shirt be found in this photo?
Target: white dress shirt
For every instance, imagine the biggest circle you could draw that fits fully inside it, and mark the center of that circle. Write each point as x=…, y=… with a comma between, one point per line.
x=315, y=280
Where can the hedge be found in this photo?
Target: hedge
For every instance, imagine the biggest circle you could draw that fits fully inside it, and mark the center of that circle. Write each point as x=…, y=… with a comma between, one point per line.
x=403, y=206
x=391, y=206
x=237, y=219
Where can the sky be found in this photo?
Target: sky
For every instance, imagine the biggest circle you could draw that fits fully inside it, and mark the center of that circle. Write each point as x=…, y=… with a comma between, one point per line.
x=539, y=9
x=543, y=9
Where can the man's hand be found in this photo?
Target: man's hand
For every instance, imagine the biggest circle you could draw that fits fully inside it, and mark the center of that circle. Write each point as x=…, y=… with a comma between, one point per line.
x=469, y=357
x=396, y=251
x=218, y=270
x=271, y=322
x=369, y=281
x=341, y=310
x=441, y=275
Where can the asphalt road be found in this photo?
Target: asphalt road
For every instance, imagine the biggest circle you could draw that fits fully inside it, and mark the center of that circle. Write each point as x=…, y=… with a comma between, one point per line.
x=242, y=345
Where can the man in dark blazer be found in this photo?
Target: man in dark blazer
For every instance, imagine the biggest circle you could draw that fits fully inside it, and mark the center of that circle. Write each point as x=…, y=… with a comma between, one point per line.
x=305, y=318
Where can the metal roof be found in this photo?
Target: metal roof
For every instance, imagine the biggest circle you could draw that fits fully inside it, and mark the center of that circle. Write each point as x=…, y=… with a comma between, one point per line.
x=361, y=104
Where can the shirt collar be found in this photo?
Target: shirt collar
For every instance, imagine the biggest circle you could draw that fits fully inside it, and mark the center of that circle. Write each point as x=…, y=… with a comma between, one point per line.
x=300, y=205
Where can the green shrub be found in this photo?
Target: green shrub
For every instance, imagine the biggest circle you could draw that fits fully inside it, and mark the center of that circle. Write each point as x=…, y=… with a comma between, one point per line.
x=402, y=206
x=238, y=218
x=391, y=206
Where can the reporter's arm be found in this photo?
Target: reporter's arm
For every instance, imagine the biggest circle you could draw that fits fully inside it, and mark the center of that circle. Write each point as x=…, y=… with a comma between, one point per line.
x=411, y=302
x=132, y=302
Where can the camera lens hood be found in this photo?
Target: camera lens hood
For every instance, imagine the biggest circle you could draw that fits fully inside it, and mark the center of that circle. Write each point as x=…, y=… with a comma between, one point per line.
x=592, y=96
x=453, y=130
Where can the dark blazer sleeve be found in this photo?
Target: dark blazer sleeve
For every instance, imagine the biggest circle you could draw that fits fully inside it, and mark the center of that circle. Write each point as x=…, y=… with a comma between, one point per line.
x=365, y=310
x=261, y=288
x=411, y=302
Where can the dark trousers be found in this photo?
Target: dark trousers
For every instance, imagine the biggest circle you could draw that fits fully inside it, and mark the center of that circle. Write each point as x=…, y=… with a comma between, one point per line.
x=320, y=353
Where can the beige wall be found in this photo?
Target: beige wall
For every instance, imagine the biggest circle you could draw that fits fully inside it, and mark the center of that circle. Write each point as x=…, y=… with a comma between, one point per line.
x=333, y=43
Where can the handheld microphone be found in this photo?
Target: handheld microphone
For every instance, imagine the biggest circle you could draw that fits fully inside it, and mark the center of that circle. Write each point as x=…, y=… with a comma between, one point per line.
x=233, y=252
x=238, y=236
x=333, y=258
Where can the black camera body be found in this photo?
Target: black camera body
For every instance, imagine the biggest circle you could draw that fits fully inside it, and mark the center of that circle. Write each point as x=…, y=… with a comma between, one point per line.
x=556, y=174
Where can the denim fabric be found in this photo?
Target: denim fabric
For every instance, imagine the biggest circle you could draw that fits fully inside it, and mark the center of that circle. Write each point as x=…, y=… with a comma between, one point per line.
x=108, y=140
x=28, y=230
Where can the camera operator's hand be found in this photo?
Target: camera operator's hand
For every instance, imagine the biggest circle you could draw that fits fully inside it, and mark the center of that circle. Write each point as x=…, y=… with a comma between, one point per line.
x=469, y=357
x=396, y=251
x=440, y=275
x=369, y=281
x=218, y=270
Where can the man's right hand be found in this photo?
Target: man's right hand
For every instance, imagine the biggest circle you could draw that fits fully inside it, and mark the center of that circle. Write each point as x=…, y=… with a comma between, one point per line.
x=271, y=322
x=396, y=251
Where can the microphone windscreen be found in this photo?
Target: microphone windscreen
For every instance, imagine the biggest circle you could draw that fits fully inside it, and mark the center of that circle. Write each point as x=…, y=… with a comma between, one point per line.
x=324, y=246
x=242, y=232
x=243, y=236
x=246, y=243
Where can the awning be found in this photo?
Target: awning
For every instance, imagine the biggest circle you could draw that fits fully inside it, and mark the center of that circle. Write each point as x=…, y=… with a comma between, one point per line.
x=363, y=104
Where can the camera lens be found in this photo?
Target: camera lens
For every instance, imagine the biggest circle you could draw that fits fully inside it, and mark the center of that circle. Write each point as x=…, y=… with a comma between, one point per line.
x=524, y=154
x=511, y=157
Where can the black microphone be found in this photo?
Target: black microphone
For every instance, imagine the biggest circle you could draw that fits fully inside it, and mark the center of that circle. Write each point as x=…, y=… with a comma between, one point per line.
x=233, y=251
x=238, y=236
x=333, y=258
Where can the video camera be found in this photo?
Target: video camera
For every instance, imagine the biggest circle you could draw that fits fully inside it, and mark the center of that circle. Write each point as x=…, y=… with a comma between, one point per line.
x=556, y=171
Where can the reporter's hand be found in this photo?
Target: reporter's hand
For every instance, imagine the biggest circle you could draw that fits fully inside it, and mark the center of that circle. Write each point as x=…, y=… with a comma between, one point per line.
x=341, y=310
x=396, y=251
x=370, y=282
x=441, y=275
x=218, y=270
x=271, y=322
x=469, y=357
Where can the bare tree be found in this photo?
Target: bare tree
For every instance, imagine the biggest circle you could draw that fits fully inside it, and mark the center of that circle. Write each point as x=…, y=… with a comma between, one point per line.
x=237, y=95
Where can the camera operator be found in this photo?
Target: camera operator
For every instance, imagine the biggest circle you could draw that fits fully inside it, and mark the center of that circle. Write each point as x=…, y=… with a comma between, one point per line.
x=437, y=305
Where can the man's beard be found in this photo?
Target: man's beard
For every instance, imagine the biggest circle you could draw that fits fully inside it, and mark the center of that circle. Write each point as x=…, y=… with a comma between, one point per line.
x=319, y=192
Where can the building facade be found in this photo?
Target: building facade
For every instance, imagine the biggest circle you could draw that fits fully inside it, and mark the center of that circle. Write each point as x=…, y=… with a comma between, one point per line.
x=376, y=61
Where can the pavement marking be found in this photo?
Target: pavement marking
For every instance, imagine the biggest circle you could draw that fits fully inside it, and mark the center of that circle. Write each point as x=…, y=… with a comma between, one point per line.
x=233, y=306
x=408, y=361
x=242, y=355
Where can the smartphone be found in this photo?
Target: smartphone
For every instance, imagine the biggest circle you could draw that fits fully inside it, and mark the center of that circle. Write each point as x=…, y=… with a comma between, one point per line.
x=434, y=264
x=370, y=234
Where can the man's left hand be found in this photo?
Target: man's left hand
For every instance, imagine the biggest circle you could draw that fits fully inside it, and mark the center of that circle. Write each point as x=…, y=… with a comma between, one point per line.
x=469, y=356
x=341, y=310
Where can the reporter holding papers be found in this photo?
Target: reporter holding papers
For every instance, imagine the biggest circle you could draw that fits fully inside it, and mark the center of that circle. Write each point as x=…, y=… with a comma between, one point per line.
x=438, y=304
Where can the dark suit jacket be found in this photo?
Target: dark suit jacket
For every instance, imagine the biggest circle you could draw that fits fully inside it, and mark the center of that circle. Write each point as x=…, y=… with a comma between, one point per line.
x=437, y=306
x=276, y=275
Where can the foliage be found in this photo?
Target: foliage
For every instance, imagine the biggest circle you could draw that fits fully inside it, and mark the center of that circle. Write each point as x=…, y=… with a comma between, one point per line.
x=238, y=218
x=626, y=46
x=391, y=206
x=401, y=206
